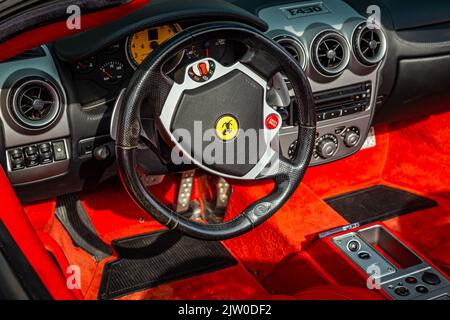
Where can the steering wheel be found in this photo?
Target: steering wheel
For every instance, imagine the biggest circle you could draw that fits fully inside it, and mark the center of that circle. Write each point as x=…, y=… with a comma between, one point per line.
x=230, y=100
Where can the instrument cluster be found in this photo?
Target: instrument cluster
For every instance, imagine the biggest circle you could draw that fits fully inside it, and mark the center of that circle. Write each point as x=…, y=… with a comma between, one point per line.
x=100, y=77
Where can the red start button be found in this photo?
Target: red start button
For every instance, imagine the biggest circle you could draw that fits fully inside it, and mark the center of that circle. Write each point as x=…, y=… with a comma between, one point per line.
x=272, y=121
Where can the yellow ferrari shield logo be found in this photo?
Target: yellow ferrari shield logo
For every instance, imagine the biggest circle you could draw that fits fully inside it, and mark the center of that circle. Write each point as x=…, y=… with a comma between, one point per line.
x=227, y=127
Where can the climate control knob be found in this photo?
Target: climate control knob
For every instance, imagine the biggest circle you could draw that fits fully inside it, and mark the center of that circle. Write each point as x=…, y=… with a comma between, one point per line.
x=327, y=147
x=351, y=138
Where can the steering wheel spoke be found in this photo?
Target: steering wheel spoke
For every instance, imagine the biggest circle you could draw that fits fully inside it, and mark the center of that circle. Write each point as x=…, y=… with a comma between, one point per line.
x=258, y=59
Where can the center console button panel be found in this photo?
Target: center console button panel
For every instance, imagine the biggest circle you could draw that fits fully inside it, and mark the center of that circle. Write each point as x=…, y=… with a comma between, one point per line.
x=393, y=266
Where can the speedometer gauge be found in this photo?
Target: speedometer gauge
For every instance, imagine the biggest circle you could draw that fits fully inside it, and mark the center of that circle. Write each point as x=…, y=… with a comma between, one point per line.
x=112, y=72
x=141, y=44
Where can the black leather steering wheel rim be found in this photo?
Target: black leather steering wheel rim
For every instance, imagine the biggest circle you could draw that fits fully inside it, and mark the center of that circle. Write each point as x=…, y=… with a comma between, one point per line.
x=150, y=84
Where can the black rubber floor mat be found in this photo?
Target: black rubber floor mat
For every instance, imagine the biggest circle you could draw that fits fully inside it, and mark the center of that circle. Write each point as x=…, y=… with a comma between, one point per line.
x=378, y=203
x=70, y=212
x=154, y=259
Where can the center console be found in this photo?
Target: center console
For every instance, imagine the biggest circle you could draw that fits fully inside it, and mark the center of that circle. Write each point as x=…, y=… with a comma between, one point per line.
x=376, y=258
x=393, y=266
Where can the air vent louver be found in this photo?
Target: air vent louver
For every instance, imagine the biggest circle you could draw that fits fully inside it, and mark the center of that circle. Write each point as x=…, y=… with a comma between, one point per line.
x=35, y=104
x=294, y=48
x=330, y=53
x=369, y=44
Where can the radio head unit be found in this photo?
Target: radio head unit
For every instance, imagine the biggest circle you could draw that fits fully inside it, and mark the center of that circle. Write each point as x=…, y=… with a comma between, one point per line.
x=343, y=101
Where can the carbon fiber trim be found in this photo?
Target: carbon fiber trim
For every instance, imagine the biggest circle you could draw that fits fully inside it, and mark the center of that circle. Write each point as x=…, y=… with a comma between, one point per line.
x=70, y=212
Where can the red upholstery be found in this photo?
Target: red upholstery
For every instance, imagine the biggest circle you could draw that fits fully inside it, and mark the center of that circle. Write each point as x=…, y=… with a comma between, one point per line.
x=338, y=293
x=287, y=280
x=13, y=217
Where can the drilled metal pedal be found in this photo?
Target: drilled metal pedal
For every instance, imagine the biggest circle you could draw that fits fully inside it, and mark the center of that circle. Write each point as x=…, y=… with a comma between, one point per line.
x=185, y=192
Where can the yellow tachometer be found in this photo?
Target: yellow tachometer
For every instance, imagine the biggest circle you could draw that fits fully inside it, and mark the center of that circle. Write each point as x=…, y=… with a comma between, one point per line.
x=142, y=44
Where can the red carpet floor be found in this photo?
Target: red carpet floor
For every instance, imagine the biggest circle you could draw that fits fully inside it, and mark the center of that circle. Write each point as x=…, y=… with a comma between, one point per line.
x=409, y=156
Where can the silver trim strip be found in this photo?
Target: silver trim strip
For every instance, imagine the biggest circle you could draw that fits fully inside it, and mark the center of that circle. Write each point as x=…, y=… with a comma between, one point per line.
x=115, y=115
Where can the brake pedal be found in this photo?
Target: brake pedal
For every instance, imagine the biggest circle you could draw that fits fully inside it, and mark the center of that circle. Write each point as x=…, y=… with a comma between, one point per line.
x=223, y=194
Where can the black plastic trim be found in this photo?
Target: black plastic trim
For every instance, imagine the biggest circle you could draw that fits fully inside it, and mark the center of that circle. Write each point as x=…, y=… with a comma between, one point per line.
x=83, y=173
x=156, y=13
x=11, y=289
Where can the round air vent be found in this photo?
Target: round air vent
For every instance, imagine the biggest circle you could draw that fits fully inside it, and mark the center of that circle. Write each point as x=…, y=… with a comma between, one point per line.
x=369, y=44
x=35, y=103
x=331, y=53
x=294, y=48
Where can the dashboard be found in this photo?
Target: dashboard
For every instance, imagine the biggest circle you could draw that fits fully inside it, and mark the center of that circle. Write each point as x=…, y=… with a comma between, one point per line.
x=57, y=101
x=100, y=77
